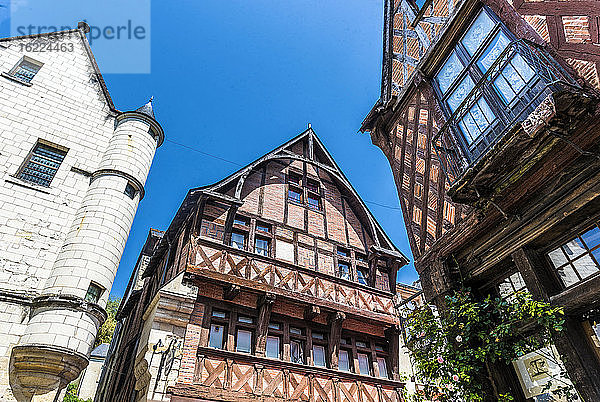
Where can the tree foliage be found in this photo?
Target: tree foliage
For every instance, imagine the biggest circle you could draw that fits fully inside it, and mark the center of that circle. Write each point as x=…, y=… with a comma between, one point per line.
x=108, y=328
x=71, y=395
x=451, y=350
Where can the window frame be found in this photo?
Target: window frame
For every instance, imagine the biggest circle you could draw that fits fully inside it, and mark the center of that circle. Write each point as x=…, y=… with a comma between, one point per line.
x=95, y=291
x=267, y=240
x=576, y=235
x=244, y=236
x=49, y=147
x=470, y=69
x=309, y=338
x=12, y=73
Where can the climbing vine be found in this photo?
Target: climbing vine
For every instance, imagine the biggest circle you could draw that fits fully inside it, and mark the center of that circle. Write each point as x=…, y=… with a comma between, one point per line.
x=451, y=350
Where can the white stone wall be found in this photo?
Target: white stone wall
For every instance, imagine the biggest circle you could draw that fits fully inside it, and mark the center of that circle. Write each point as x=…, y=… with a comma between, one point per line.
x=57, y=239
x=64, y=105
x=88, y=383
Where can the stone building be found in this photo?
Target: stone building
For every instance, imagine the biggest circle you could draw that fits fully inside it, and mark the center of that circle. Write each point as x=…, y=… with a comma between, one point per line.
x=72, y=172
x=274, y=283
x=488, y=117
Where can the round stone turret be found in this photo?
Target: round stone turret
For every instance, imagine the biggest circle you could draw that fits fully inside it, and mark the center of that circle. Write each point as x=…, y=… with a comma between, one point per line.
x=66, y=317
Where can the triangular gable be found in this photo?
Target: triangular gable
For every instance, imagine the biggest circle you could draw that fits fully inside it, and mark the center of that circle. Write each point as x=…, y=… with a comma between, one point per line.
x=82, y=29
x=317, y=154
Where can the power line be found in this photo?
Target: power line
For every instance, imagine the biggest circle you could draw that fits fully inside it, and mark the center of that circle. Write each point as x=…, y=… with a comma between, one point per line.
x=241, y=165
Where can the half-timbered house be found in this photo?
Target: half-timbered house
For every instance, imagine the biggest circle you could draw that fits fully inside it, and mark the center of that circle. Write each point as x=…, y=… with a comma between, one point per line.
x=488, y=117
x=274, y=283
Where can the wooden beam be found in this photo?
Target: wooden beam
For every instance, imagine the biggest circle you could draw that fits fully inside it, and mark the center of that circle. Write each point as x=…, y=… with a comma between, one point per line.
x=310, y=312
x=219, y=278
x=392, y=334
x=535, y=273
x=230, y=292
x=580, y=358
x=335, y=321
x=265, y=306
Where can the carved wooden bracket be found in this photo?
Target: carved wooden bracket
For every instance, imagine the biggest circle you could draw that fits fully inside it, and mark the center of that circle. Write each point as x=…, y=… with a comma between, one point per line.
x=231, y=292
x=311, y=312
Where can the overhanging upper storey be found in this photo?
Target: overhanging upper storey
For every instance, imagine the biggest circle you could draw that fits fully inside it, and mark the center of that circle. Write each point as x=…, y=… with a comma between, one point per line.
x=495, y=79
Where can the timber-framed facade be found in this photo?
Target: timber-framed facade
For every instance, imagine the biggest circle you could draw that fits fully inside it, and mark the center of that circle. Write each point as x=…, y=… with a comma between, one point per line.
x=275, y=283
x=488, y=117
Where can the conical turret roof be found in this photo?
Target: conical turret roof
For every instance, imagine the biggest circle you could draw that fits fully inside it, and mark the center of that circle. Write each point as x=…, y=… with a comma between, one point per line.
x=147, y=109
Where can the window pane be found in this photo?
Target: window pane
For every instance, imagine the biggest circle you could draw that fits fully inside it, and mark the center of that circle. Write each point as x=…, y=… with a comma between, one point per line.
x=263, y=227
x=244, y=341
x=246, y=320
x=568, y=275
x=460, y=93
x=295, y=195
x=344, y=270
x=319, y=355
x=219, y=314
x=361, y=276
x=240, y=220
x=491, y=53
x=585, y=266
x=296, y=352
x=273, y=347
x=522, y=67
x=42, y=165
x=557, y=257
x=361, y=344
x=363, y=364
x=504, y=89
x=26, y=71
x=261, y=246
x=274, y=325
x=591, y=237
x=344, y=361
x=382, y=367
x=573, y=249
x=314, y=202
x=215, y=339
x=318, y=335
x=238, y=240
x=478, y=32
x=449, y=72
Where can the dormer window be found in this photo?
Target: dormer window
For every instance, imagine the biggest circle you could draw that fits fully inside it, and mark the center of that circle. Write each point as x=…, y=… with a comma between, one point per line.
x=25, y=69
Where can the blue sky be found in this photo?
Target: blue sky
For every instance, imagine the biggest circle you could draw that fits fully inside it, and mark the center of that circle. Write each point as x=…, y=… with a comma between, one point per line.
x=238, y=78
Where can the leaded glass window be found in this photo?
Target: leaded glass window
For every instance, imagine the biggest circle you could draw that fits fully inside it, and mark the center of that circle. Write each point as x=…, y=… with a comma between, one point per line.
x=460, y=79
x=42, y=164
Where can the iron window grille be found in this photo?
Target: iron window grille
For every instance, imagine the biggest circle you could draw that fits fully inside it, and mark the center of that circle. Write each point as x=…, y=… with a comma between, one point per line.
x=487, y=84
x=578, y=258
x=25, y=69
x=41, y=164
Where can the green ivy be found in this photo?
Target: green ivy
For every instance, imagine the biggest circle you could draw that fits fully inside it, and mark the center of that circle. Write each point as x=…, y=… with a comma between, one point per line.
x=451, y=350
x=71, y=395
